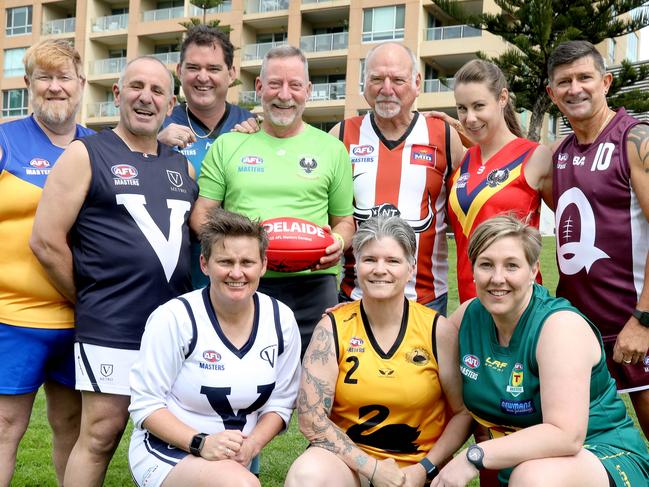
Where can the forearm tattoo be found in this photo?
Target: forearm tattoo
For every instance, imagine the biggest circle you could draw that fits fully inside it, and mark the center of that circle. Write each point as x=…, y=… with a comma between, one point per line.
x=315, y=400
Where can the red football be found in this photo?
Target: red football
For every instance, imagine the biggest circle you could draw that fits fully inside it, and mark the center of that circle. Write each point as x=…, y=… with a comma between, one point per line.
x=295, y=244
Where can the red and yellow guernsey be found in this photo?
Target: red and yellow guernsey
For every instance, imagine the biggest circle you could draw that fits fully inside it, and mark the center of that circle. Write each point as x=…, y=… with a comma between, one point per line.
x=479, y=190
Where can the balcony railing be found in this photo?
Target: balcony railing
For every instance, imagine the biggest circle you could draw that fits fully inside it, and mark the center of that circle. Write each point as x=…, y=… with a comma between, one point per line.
x=328, y=91
x=436, y=86
x=263, y=6
x=163, y=14
x=109, y=66
x=224, y=7
x=168, y=57
x=451, y=32
x=103, y=109
x=59, y=26
x=324, y=42
x=249, y=98
x=258, y=51
x=382, y=35
x=110, y=23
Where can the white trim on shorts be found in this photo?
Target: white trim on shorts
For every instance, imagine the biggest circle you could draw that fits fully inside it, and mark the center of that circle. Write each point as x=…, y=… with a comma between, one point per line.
x=103, y=369
x=149, y=465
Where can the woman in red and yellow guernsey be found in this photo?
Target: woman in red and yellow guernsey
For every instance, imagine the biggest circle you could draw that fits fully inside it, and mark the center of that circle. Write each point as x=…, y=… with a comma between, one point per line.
x=375, y=400
x=503, y=173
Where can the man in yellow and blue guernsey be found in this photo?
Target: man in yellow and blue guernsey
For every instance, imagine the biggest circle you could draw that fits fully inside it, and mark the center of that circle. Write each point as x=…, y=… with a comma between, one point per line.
x=36, y=321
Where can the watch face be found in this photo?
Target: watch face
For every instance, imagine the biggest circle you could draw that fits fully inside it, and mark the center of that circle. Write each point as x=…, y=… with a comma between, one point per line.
x=474, y=454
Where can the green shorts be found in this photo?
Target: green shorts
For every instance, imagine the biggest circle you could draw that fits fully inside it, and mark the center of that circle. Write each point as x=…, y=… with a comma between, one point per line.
x=627, y=469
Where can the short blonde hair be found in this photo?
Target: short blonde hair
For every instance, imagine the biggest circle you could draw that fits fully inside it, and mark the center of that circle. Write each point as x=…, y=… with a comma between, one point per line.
x=52, y=54
x=503, y=226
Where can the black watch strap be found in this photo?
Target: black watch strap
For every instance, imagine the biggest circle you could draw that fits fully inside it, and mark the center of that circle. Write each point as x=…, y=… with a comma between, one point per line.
x=430, y=467
x=474, y=455
x=642, y=316
x=196, y=445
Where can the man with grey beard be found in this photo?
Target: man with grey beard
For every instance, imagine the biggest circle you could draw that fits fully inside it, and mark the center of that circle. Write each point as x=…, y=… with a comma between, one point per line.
x=36, y=320
x=400, y=163
x=287, y=169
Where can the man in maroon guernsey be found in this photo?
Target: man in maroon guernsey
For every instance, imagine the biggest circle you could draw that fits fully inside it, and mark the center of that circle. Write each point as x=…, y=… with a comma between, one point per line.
x=601, y=199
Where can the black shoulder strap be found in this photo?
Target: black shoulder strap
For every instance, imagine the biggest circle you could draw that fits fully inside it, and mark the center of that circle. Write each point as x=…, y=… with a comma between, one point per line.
x=192, y=344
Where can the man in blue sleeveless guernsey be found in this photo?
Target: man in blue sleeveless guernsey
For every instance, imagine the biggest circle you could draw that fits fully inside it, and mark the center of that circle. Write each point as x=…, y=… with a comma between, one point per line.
x=36, y=321
x=205, y=71
x=122, y=201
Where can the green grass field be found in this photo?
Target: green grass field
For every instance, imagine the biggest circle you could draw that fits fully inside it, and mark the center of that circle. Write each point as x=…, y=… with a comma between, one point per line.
x=34, y=467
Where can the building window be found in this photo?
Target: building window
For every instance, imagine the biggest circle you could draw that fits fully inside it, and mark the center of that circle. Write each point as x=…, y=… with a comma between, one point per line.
x=632, y=47
x=611, y=50
x=19, y=21
x=13, y=62
x=361, y=76
x=14, y=103
x=383, y=23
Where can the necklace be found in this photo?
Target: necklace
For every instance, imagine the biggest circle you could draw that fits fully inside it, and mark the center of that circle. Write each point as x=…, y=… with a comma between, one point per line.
x=606, y=121
x=189, y=122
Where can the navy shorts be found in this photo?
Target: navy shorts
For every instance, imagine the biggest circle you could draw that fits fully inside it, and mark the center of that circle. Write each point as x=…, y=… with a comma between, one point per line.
x=32, y=356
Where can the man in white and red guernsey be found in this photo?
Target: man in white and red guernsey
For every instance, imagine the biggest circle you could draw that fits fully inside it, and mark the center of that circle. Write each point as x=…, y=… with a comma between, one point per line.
x=600, y=181
x=400, y=162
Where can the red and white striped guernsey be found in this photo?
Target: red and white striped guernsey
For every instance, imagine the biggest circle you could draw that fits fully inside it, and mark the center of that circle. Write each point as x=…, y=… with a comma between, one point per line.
x=405, y=178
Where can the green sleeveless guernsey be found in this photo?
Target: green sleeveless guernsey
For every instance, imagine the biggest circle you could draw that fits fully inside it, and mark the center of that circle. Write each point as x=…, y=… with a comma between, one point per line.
x=501, y=386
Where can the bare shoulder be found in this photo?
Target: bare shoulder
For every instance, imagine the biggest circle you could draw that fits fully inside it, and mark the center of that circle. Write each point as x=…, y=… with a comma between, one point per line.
x=335, y=130
x=555, y=146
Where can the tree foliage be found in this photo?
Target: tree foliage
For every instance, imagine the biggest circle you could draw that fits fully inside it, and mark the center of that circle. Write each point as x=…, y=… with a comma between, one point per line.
x=534, y=28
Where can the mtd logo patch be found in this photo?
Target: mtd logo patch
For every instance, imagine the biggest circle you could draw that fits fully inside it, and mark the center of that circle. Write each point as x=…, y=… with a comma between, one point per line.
x=423, y=155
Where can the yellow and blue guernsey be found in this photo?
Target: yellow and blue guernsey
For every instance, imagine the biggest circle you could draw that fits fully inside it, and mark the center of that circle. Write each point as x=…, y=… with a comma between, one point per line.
x=27, y=297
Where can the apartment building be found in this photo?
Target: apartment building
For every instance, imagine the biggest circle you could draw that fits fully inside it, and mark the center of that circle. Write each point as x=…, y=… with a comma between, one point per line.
x=334, y=34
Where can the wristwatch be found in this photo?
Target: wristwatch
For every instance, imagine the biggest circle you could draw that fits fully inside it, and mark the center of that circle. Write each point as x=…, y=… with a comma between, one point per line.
x=430, y=467
x=642, y=316
x=196, y=445
x=474, y=455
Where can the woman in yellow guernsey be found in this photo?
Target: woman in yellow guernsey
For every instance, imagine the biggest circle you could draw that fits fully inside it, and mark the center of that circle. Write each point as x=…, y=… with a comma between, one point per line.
x=375, y=401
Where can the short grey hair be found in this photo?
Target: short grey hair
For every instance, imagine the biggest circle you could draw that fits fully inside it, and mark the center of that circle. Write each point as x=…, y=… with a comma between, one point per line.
x=380, y=226
x=172, y=84
x=283, y=52
x=503, y=226
x=413, y=59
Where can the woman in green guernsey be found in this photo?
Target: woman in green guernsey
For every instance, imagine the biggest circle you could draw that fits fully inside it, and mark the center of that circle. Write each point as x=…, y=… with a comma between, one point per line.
x=533, y=372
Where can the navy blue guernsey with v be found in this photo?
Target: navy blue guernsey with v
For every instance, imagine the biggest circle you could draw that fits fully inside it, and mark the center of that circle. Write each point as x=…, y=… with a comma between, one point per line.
x=130, y=243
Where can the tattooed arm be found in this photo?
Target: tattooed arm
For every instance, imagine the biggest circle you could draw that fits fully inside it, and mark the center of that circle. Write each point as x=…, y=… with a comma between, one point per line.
x=314, y=402
x=633, y=341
